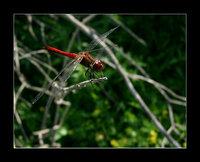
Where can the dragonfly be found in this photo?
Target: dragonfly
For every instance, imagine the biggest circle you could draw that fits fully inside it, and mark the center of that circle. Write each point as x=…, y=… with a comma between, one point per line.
x=84, y=58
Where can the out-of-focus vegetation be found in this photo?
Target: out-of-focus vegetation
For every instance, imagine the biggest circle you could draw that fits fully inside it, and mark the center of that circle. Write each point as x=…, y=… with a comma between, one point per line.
x=106, y=115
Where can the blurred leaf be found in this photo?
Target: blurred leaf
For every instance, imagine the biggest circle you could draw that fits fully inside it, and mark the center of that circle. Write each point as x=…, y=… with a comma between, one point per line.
x=60, y=133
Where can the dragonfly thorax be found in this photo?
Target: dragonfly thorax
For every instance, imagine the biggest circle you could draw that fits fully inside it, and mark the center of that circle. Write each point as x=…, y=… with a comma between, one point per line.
x=90, y=62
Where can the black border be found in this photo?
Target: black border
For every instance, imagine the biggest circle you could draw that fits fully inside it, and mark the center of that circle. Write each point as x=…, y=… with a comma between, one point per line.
x=6, y=95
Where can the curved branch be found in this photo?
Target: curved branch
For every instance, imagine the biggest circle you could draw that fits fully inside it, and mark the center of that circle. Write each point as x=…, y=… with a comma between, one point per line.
x=83, y=84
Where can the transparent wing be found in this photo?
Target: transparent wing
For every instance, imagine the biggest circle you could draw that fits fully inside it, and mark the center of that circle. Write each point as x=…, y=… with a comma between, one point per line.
x=95, y=42
x=68, y=70
x=63, y=75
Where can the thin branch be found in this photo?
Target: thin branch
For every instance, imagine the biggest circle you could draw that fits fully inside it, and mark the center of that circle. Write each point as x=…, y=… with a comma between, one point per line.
x=39, y=89
x=37, y=62
x=28, y=86
x=19, y=121
x=171, y=115
x=133, y=62
x=63, y=116
x=27, y=55
x=30, y=27
x=149, y=80
x=46, y=113
x=16, y=56
x=21, y=88
x=17, y=117
x=42, y=29
x=181, y=127
x=88, y=18
x=62, y=102
x=45, y=65
x=83, y=84
x=45, y=131
x=55, y=122
x=159, y=85
x=164, y=141
x=41, y=70
x=24, y=100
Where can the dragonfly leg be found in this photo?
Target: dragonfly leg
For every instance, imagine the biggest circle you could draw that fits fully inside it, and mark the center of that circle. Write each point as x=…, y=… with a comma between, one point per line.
x=97, y=74
x=92, y=74
x=87, y=71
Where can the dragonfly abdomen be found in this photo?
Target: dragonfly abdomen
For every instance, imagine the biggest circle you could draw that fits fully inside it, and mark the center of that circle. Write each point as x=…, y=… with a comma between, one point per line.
x=68, y=54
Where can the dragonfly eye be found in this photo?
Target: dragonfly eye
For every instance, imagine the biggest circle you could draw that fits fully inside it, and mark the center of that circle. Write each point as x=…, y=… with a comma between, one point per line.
x=98, y=65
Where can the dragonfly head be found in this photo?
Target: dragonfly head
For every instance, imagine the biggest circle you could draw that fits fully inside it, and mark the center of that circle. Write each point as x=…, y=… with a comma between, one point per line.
x=98, y=65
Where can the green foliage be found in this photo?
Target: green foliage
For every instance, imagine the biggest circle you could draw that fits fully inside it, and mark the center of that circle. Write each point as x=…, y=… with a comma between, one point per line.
x=107, y=115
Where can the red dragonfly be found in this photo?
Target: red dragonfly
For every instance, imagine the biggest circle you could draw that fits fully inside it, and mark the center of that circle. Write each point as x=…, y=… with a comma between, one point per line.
x=85, y=58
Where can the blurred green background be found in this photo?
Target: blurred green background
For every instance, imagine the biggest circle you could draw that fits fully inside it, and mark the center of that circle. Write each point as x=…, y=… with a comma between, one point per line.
x=108, y=116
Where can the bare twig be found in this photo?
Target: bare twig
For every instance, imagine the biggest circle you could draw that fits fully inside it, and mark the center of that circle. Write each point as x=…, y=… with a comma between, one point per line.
x=62, y=119
x=41, y=134
x=45, y=65
x=46, y=113
x=149, y=80
x=24, y=100
x=27, y=85
x=164, y=141
x=83, y=84
x=159, y=85
x=27, y=55
x=30, y=27
x=16, y=54
x=45, y=131
x=42, y=29
x=19, y=121
x=17, y=117
x=41, y=70
x=55, y=122
x=21, y=88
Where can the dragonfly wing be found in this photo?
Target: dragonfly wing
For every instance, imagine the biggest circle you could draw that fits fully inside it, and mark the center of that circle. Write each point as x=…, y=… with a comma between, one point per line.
x=39, y=95
x=65, y=72
x=95, y=42
x=69, y=68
